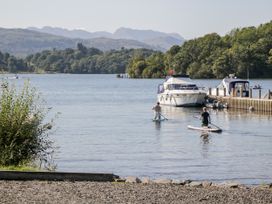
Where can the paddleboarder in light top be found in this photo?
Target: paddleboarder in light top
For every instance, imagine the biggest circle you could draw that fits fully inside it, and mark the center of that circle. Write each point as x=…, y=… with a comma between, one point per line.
x=157, y=111
x=205, y=116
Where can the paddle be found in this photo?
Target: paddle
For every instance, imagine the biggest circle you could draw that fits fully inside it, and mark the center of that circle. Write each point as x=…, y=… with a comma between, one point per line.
x=215, y=126
x=209, y=122
x=163, y=116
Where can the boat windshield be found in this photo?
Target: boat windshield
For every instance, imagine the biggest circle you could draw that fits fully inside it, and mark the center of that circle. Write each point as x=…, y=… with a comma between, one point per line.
x=238, y=85
x=182, y=87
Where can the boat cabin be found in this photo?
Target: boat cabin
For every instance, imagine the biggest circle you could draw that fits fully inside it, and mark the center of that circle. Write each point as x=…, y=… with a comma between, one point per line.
x=233, y=83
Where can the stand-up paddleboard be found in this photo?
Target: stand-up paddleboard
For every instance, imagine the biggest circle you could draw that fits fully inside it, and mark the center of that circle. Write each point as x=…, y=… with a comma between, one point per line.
x=158, y=120
x=205, y=129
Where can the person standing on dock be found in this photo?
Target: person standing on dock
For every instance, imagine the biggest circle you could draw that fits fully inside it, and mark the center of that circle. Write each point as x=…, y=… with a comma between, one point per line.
x=157, y=111
x=205, y=116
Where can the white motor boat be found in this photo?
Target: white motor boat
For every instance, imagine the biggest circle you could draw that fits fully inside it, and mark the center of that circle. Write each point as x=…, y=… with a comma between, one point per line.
x=180, y=90
x=230, y=83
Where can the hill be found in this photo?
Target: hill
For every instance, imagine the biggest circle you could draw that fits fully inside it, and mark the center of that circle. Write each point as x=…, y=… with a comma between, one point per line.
x=22, y=42
x=159, y=40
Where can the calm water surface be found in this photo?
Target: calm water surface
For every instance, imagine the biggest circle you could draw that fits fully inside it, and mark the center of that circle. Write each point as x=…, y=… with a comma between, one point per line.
x=105, y=126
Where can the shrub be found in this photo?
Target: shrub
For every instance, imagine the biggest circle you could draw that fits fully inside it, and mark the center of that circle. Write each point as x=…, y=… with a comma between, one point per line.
x=23, y=138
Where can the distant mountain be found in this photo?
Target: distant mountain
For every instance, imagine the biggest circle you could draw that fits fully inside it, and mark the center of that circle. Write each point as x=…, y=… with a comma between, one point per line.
x=141, y=35
x=77, y=33
x=22, y=42
x=162, y=41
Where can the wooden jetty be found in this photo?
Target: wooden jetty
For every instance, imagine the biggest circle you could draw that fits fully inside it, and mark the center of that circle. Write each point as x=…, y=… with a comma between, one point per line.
x=238, y=101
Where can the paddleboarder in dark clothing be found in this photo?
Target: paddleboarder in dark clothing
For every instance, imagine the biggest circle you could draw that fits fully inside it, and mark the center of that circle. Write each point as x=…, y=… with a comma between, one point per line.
x=205, y=116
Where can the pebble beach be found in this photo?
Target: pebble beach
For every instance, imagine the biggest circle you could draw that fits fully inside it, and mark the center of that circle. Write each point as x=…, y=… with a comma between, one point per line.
x=124, y=192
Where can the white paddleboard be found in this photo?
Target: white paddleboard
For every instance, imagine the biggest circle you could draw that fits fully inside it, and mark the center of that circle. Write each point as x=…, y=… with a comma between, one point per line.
x=206, y=129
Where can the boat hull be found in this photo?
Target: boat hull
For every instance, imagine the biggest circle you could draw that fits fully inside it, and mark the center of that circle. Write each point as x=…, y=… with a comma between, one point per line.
x=182, y=99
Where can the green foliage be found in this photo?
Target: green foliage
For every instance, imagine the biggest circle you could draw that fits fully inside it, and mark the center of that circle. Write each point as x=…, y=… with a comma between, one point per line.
x=147, y=67
x=9, y=63
x=83, y=60
x=242, y=51
x=18, y=168
x=23, y=137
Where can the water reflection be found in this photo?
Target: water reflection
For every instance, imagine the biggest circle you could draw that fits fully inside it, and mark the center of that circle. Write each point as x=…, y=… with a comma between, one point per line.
x=205, y=137
x=157, y=125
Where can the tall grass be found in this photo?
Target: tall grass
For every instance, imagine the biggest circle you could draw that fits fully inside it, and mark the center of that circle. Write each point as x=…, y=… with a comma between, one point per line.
x=23, y=136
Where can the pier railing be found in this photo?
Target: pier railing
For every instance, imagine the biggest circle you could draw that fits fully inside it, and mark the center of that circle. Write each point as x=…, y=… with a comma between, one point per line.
x=241, y=99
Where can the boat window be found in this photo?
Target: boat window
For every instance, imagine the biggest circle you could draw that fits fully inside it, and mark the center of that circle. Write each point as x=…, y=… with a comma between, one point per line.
x=182, y=87
x=160, y=89
x=239, y=85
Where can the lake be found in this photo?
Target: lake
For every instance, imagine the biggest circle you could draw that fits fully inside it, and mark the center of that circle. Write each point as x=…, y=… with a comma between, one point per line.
x=106, y=125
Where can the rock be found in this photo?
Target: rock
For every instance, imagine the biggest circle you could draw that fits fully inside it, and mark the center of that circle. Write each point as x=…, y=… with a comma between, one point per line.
x=177, y=182
x=146, y=180
x=206, y=184
x=187, y=181
x=195, y=184
x=119, y=180
x=132, y=179
x=162, y=181
x=231, y=184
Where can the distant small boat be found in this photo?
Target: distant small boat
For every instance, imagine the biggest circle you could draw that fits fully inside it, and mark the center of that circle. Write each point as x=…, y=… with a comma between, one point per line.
x=205, y=128
x=13, y=77
x=258, y=86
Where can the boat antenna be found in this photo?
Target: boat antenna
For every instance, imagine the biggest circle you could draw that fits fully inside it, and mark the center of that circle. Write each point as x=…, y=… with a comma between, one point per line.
x=247, y=74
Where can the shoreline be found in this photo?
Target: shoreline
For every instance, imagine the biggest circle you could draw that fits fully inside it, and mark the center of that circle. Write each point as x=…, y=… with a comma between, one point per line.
x=115, y=192
x=63, y=187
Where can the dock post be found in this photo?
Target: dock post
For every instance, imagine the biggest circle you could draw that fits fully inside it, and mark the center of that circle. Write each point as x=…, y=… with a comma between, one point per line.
x=250, y=93
x=217, y=91
x=210, y=91
x=232, y=92
x=224, y=91
x=241, y=92
x=235, y=92
x=260, y=94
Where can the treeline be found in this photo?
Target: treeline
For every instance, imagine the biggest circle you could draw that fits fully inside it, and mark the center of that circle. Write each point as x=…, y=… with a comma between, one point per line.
x=81, y=60
x=84, y=60
x=242, y=51
x=9, y=63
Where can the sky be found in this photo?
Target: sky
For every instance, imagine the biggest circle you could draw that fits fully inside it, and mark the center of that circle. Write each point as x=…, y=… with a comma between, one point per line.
x=189, y=18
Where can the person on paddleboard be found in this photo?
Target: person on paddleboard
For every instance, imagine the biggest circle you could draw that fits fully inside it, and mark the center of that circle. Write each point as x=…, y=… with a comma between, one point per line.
x=205, y=116
x=157, y=111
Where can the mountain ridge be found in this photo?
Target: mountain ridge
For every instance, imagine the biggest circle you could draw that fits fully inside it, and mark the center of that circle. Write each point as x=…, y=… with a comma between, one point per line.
x=144, y=36
x=22, y=42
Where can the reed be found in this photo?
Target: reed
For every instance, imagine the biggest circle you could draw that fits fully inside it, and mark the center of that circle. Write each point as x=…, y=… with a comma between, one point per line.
x=23, y=136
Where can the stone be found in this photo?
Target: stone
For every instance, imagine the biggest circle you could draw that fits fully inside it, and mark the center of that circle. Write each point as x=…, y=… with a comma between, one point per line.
x=206, y=184
x=231, y=184
x=146, y=180
x=132, y=179
x=177, y=182
x=162, y=181
x=195, y=184
x=120, y=180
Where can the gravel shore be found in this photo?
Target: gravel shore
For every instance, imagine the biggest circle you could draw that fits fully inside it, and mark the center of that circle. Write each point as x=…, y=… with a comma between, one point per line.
x=107, y=192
